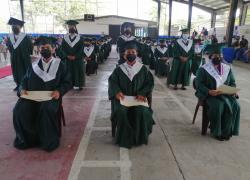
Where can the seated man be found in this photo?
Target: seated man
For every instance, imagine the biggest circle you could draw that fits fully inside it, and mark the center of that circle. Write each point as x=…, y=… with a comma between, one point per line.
x=36, y=123
x=134, y=124
x=223, y=110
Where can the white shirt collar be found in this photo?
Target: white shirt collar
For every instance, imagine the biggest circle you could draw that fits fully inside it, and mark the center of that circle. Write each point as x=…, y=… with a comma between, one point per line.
x=46, y=64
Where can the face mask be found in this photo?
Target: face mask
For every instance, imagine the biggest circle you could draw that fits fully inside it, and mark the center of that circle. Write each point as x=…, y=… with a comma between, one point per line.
x=127, y=31
x=131, y=57
x=162, y=45
x=15, y=30
x=46, y=53
x=72, y=30
x=216, y=61
x=185, y=36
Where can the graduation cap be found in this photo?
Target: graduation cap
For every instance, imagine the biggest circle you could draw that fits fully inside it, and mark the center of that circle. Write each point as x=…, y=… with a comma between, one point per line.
x=131, y=45
x=71, y=22
x=42, y=40
x=185, y=30
x=214, y=48
x=162, y=40
x=127, y=24
x=87, y=39
x=13, y=21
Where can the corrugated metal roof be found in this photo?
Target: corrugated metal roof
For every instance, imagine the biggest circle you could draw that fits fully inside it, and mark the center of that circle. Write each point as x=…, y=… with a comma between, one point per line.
x=208, y=5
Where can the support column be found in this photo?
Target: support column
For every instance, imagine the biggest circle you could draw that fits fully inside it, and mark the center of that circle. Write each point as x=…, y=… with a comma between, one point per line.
x=190, y=8
x=243, y=13
x=231, y=21
x=158, y=17
x=213, y=19
x=170, y=6
x=22, y=9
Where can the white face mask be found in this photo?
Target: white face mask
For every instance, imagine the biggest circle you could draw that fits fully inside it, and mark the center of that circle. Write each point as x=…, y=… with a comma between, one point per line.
x=185, y=36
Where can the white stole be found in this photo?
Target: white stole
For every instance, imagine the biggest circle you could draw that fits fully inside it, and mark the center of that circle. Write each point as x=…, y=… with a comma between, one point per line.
x=125, y=38
x=14, y=43
x=131, y=71
x=51, y=74
x=162, y=50
x=73, y=43
x=220, y=79
x=88, y=50
x=185, y=47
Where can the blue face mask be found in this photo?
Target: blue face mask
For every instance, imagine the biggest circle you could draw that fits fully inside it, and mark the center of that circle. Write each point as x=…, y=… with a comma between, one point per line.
x=185, y=36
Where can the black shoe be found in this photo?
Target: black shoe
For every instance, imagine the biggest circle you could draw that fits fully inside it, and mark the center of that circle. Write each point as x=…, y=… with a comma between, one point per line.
x=183, y=88
x=175, y=88
x=15, y=89
x=80, y=88
x=219, y=138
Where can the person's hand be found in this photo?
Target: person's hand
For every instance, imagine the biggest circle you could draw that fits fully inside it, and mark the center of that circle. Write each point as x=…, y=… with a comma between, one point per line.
x=236, y=96
x=71, y=58
x=55, y=95
x=183, y=59
x=24, y=92
x=119, y=96
x=164, y=58
x=141, y=98
x=214, y=92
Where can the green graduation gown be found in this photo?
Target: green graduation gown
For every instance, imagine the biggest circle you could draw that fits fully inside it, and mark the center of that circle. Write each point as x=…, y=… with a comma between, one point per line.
x=121, y=42
x=91, y=65
x=161, y=67
x=20, y=51
x=180, y=72
x=197, y=60
x=146, y=53
x=36, y=123
x=223, y=110
x=74, y=47
x=134, y=124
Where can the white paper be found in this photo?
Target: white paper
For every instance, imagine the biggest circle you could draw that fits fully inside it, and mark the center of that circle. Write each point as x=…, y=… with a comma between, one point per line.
x=129, y=101
x=228, y=89
x=38, y=96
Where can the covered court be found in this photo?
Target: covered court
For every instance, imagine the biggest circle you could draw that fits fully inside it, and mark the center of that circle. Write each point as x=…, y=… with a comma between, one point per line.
x=176, y=148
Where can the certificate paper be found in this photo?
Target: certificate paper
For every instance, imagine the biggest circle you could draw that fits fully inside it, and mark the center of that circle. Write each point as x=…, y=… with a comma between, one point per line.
x=38, y=96
x=228, y=89
x=129, y=101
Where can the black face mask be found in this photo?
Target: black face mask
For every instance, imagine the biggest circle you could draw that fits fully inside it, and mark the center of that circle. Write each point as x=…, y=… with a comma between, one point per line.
x=46, y=53
x=162, y=45
x=15, y=30
x=216, y=61
x=127, y=32
x=72, y=30
x=131, y=57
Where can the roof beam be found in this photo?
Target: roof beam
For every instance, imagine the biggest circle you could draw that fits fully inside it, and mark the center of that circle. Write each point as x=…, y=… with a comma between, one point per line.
x=204, y=8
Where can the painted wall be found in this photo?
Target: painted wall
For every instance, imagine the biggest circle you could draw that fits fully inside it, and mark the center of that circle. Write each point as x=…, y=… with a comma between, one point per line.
x=100, y=26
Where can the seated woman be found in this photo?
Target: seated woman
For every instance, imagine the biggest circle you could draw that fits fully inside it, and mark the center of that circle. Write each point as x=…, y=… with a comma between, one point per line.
x=35, y=122
x=161, y=54
x=90, y=57
x=134, y=124
x=223, y=110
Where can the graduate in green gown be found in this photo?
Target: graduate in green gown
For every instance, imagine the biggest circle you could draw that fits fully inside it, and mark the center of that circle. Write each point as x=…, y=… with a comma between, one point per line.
x=36, y=123
x=161, y=59
x=127, y=35
x=72, y=46
x=90, y=57
x=146, y=51
x=183, y=52
x=133, y=124
x=223, y=110
x=20, y=47
x=198, y=60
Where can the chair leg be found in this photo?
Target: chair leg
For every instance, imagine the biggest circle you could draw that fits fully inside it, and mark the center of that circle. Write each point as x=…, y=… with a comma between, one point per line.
x=113, y=126
x=205, y=121
x=63, y=117
x=195, y=113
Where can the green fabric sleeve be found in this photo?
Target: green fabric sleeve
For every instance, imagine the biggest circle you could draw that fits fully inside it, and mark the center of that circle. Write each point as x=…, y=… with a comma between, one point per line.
x=148, y=84
x=113, y=87
x=201, y=89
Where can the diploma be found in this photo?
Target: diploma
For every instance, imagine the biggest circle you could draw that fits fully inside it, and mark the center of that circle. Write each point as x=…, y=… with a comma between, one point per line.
x=228, y=89
x=130, y=101
x=38, y=96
